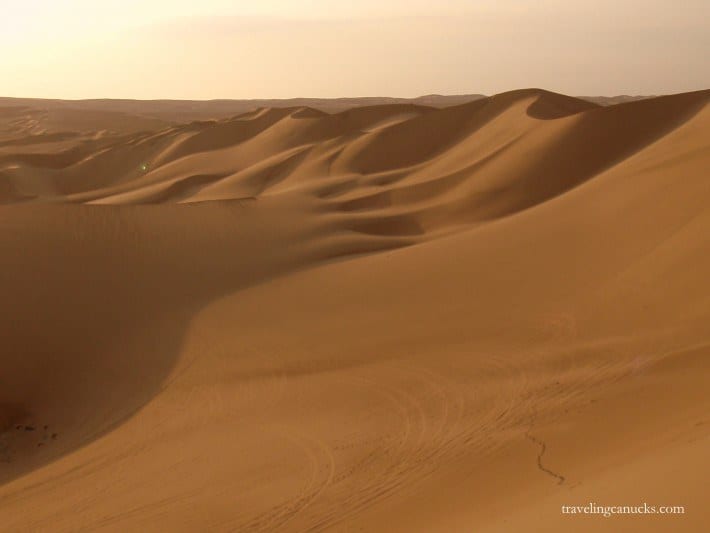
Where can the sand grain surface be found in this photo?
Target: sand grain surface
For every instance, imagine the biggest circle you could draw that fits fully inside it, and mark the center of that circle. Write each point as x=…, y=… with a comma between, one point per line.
x=389, y=318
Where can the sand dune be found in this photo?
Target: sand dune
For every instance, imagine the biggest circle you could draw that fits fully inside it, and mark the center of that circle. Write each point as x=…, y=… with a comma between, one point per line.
x=192, y=110
x=389, y=318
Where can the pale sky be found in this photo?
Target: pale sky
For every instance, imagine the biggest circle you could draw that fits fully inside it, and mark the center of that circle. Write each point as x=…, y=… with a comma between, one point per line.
x=187, y=49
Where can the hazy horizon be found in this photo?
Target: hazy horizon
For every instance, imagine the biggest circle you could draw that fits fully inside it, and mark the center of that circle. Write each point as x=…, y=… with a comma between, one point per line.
x=159, y=49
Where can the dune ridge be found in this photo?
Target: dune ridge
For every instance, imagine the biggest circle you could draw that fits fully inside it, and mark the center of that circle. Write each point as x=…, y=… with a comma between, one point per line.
x=388, y=318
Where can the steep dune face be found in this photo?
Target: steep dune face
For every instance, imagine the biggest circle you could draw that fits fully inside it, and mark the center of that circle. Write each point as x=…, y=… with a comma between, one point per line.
x=395, y=318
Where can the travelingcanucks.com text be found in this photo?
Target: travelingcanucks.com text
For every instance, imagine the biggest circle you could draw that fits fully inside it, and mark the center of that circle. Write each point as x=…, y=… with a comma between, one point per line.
x=611, y=510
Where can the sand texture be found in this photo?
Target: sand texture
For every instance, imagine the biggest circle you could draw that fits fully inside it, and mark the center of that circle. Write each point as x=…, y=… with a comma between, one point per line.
x=390, y=318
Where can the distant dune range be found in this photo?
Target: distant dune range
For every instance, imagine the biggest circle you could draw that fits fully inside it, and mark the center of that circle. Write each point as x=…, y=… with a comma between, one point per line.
x=51, y=116
x=432, y=315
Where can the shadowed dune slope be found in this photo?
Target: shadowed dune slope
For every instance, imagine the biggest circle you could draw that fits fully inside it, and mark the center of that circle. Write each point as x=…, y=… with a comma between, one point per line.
x=392, y=318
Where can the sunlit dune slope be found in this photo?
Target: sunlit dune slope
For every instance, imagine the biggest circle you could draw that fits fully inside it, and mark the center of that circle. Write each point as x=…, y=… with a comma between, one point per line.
x=392, y=318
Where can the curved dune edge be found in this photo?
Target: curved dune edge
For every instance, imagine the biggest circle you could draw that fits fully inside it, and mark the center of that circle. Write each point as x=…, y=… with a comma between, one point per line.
x=392, y=318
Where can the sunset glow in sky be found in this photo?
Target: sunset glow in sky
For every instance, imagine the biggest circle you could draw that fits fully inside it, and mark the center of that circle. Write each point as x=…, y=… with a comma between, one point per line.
x=327, y=48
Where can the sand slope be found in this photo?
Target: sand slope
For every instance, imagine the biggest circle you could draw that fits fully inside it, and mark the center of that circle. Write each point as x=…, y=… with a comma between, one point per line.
x=391, y=318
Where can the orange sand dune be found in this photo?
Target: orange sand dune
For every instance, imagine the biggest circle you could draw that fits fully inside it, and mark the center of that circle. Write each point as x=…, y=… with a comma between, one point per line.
x=389, y=318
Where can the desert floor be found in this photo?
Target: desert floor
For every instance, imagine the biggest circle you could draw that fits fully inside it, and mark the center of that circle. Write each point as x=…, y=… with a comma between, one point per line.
x=391, y=318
